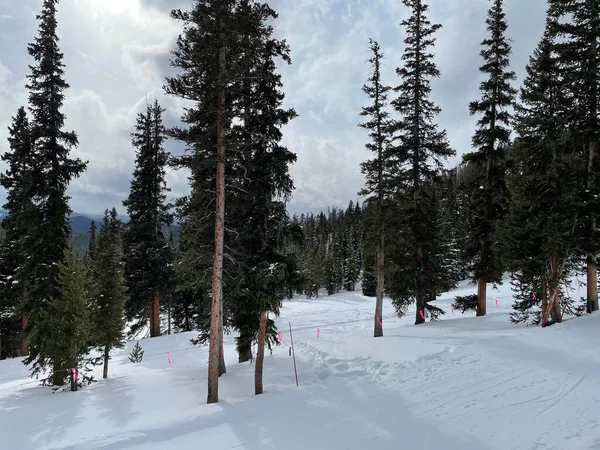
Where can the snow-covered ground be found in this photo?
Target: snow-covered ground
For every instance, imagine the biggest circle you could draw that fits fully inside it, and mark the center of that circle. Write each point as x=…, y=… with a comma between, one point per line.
x=462, y=384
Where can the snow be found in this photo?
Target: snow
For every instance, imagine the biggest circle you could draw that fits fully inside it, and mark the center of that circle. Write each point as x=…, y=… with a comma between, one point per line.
x=463, y=383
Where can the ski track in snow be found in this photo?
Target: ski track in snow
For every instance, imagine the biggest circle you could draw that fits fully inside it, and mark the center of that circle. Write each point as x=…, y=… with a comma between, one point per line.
x=463, y=383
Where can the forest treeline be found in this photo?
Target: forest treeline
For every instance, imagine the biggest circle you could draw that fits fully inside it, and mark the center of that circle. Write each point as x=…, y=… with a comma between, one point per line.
x=524, y=201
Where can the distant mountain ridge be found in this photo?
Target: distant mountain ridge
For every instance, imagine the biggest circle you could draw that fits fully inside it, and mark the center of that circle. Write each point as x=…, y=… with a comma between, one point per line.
x=80, y=225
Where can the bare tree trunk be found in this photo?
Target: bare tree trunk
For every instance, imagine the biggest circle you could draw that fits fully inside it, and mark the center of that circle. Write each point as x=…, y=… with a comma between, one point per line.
x=481, y=296
x=217, y=277
x=544, y=298
x=169, y=316
x=73, y=380
x=260, y=355
x=378, y=331
x=420, y=318
x=552, y=307
x=24, y=350
x=155, y=315
x=105, y=368
x=592, y=287
x=592, y=278
x=222, y=368
x=244, y=348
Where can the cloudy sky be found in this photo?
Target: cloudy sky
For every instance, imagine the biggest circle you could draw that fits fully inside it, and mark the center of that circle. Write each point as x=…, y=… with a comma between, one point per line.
x=117, y=53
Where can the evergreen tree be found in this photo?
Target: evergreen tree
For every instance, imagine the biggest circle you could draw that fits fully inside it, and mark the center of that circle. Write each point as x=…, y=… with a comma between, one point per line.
x=418, y=153
x=369, y=243
x=91, y=250
x=539, y=236
x=19, y=207
x=147, y=252
x=109, y=294
x=91, y=280
x=576, y=25
x=66, y=319
x=376, y=170
x=137, y=353
x=267, y=270
x=205, y=52
x=52, y=171
x=487, y=191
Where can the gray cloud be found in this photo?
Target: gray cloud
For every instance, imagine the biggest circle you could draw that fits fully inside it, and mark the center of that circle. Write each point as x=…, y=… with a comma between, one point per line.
x=117, y=53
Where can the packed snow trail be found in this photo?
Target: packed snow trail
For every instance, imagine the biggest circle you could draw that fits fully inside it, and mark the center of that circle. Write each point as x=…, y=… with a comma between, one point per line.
x=466, y=384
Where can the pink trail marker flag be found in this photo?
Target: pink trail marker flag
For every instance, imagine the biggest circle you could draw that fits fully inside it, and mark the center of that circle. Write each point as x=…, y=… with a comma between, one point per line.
x=74, y=374
x=422, y=315
x=169, y=358
x=453, y=310
x=280, y=336
x=318, y=332
x=496, y=300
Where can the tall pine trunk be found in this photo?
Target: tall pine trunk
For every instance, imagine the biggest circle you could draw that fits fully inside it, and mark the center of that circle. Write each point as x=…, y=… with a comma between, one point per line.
x=105, y=368
x=551, y=309
x=260, y=355
x=592, y=279
x=169, y=316
x=378, y=332
x=420, y=309
x=217, y=277
x=155, y=315
x=482, y=296
x=222, y=368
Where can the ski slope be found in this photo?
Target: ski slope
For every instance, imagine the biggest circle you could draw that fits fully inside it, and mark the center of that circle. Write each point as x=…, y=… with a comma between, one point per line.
x=463, y=383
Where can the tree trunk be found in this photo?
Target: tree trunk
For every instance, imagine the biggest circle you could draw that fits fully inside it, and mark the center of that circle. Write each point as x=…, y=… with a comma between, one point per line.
x=169, y=316
x=105, y=368
x=24, y=349
x=188, y=326
x=154, y=314
x=420, y=318
x=244, y=348
x=222, y=368
x=555, y=311
x=73, y=380
x=544, y=298
x=592, y=281
x=378, y=331
x=260, y=355
x=58, y=373
x=481, y=296
x=215, y=316
x=592, y=287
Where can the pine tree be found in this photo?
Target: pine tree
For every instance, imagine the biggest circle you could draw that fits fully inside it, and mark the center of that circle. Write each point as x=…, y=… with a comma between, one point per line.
x=19, y=207
x=418, y=153
x=539, y=234
x=109, y=294
x=147, y=252
x=66, y=319
x=576, y=25
x=369, y=243
x=491, y=139
x=267, y=269
x=204, y=53
x=91, y=250
x=185, y=301
x=53, y=170
x=137, y=354
x=376, y=170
